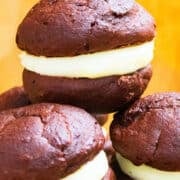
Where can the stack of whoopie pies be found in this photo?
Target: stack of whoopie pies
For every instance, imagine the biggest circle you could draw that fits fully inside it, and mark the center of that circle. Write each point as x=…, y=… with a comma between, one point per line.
x=96, y=55
x=91, y=54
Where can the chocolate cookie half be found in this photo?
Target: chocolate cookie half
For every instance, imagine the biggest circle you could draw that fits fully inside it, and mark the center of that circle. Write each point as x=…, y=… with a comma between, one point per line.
x=92, y=54
x=49, y=141
x=101, y=95
x=13, y=98
x=147, y=137
x=73, y=27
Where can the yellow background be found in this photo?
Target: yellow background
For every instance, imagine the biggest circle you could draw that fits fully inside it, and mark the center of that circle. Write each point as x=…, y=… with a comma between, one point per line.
x=167, y=53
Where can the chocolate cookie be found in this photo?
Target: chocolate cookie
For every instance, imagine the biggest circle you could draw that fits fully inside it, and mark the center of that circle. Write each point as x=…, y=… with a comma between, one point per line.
x=72, y=27
x=100, y=95
x=13, y=98
x=46, y=141
x=149, y=132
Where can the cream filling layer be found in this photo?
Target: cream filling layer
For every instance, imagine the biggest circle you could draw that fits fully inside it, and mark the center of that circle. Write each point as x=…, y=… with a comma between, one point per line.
x=113, y=62
x=95, y=169
x=145, y=172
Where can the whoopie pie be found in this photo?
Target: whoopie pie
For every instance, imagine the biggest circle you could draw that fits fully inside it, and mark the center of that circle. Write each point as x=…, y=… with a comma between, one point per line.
x=146, y=138
x=93, y=54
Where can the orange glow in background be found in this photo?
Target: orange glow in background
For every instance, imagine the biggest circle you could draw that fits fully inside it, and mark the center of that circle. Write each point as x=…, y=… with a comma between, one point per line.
x=166, y=64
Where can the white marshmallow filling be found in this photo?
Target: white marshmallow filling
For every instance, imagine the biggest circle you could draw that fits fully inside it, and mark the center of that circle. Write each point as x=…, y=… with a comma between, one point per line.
x=95, y=169
x=113, y=62
x=145, y=172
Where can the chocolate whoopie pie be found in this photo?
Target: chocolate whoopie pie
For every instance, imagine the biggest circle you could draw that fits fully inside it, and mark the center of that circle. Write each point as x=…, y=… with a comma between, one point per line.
x=13, y=98
x=146, y=137
x=50, y=141
x=94, y=54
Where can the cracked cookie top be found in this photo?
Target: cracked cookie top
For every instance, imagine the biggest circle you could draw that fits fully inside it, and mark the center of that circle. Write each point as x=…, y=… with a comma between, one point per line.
x=149, y=132
x=57, y=28
x=46, y=141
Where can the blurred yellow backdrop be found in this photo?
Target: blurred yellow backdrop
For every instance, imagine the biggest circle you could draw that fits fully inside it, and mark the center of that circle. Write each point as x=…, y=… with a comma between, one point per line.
x=167, y=53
